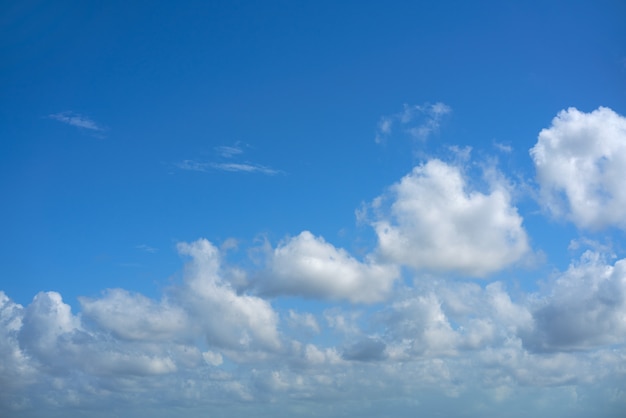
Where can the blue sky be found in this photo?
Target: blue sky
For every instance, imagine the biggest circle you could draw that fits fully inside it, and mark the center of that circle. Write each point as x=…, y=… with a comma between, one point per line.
x=312, y=208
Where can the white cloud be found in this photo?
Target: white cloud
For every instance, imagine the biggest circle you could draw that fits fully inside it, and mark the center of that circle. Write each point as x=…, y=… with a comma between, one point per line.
x=191, y=165
x=444, y=343
x=229, y=320
x=437, y=222
x=451, y=341
x=231, y=154
x=245, y=167
x=77, y=120
x=147, y=248
x=15, y=370
x=505, y=148
x=228, y=151
x=304, y=321
x=419, y=121
x=585, y=307
x=212, y=358
x=133, y=316
x=59, y=343
x=343, y=322
x=308, y=266
x=45, y=320
x=581, y=167
x=421, y=324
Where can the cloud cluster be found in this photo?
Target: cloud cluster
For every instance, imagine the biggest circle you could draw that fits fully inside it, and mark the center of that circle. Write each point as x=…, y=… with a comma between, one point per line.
x=134, y=317
x=436, y=345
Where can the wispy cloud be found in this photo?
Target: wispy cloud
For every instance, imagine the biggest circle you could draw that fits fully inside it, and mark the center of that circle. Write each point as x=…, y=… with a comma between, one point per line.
x=147, y=248
x=250, y=168
x=192, y=165
x=228, y=151
x=419, y=121
x=230, y=154
x=507, y=149
x=77, y=120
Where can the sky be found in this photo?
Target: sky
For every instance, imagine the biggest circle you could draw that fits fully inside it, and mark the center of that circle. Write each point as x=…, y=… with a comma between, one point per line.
x=312, y=209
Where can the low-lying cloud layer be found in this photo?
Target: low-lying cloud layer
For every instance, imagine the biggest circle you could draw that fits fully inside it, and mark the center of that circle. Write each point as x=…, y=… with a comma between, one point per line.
x=392, y=326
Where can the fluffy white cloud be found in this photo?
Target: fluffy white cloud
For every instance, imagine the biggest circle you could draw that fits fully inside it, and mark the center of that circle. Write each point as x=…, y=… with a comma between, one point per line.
x=46, y=322
x=133, y=316
x=443, y=339
x=308, y=266
x=422, y=326
x=228, y=320
x=207, y=341
x=437, y=222
x=586, y=308
x=15, y=370
x=581, y=167
x=59, y=342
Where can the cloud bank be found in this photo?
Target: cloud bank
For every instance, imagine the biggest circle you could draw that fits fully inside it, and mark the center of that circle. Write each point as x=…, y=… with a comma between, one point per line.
x=391, y=331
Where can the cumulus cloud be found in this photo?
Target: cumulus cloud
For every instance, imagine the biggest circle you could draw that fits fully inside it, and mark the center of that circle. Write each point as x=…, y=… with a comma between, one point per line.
x=229, y=320
x=202, y=306
x=308, y=266
x=46, y=321
x=57, y=340
x=15, y=368
x=418, y=121
x=132, y=316
x=440, y=338
x=585, y=307
x=581, y=166
x=436, y=221
x=422, y=326
x=207, y=340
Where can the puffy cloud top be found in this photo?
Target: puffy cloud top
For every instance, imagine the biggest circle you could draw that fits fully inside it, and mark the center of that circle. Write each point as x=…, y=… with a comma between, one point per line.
x=228, y=319
x=437, y=222
x=308, y=266
x=581, y=167
x=586, y=308
x=135, y=317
